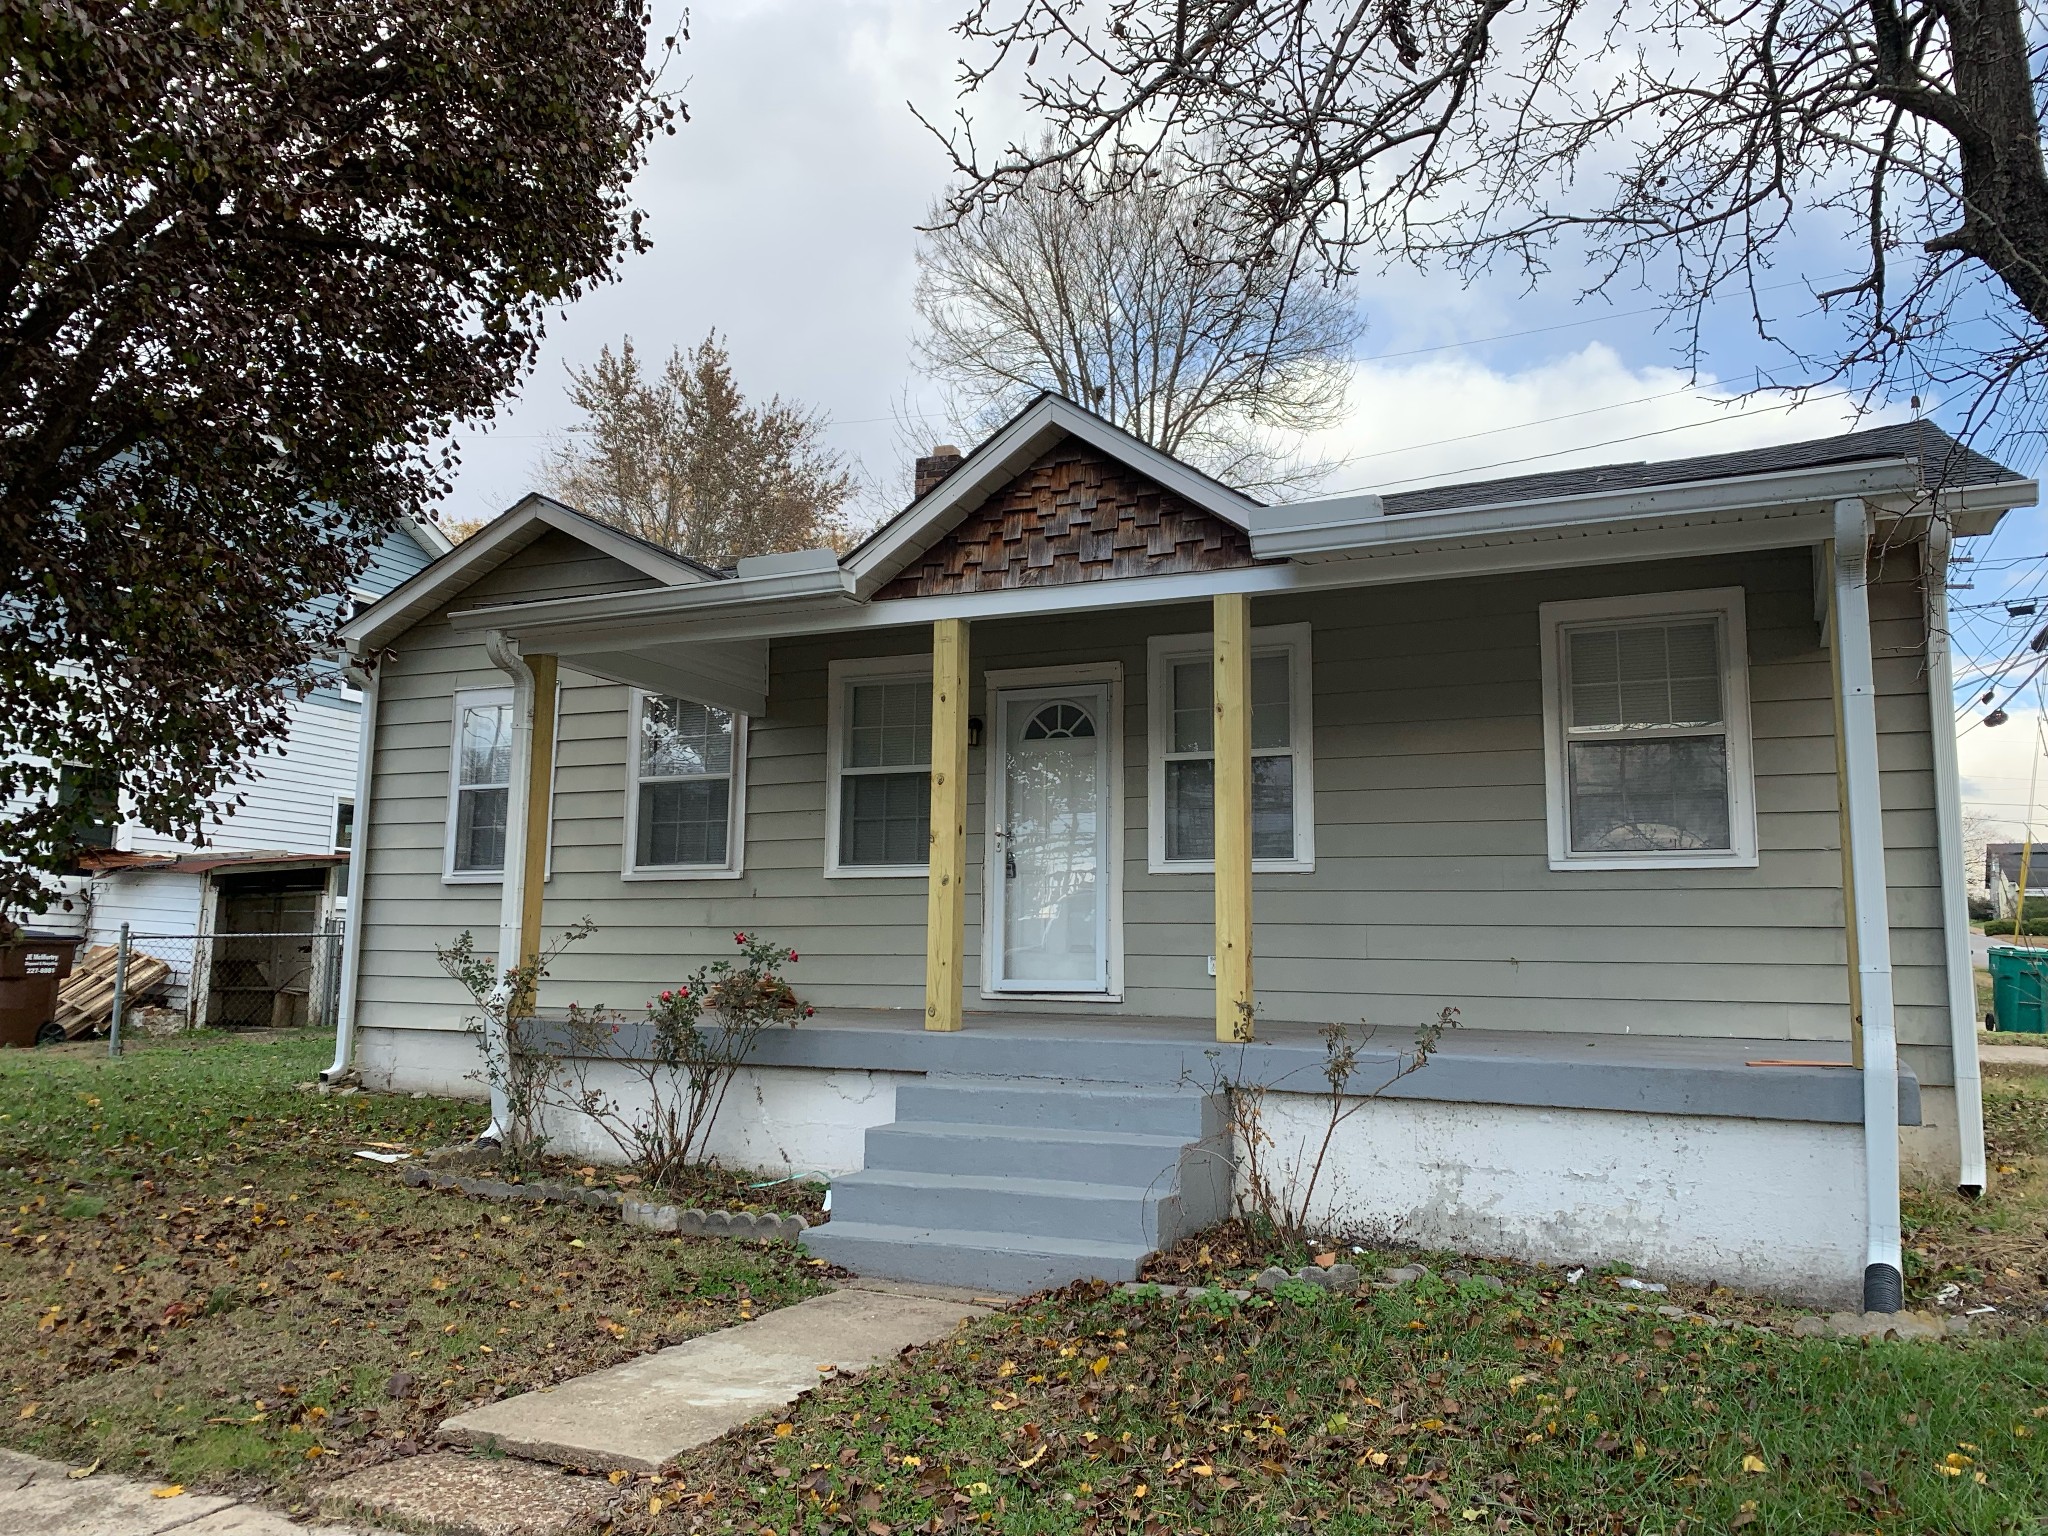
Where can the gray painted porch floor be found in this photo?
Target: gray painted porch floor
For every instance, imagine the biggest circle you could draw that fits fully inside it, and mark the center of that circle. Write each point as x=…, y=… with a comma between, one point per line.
x=1640, y=1073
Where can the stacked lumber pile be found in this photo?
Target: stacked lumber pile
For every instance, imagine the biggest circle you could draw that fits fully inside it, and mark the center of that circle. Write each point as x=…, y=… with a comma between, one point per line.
x=85, y=1003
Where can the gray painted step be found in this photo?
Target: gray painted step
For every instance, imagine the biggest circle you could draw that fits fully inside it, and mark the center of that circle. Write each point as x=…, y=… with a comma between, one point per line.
x=1049, y=1104
x=1048, y=1152
x=1111, y=1213
x=991, y=1261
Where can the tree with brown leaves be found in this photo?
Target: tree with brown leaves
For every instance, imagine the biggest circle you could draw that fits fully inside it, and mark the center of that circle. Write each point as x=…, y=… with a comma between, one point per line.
x=684, y=461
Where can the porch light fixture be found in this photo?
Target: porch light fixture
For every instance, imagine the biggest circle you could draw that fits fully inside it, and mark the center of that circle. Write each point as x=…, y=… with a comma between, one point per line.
x=973, y=731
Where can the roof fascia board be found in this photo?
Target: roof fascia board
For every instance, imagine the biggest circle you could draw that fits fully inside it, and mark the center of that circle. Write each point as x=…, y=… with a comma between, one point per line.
x=1342, y=537
x=488, y=548
x=1551, y=549
x=1001, y=458
x=705, y=597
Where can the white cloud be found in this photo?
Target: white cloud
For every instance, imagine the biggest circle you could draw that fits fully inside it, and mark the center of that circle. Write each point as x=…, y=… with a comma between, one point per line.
x=1455, y=416
x=1995, y=764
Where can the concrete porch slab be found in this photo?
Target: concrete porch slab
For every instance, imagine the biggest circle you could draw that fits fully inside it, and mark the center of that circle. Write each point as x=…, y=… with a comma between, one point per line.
x=647, y=1412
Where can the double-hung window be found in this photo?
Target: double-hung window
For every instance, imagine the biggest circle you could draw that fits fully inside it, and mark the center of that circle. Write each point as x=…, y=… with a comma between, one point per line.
x=481, y=784
x=1646, y=729
x=878, y=817
x=1181, y=687
x=686, y=810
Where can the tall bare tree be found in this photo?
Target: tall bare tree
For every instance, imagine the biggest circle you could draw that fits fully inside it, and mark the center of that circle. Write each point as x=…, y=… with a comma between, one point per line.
x=1705, y=145
x=1131, y=301
x=682, y=460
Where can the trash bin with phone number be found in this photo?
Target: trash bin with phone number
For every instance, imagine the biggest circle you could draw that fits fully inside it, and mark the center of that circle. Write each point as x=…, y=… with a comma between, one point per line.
x=32, y=968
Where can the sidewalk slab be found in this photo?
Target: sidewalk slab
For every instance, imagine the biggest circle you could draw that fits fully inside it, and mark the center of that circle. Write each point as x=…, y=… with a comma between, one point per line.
x=461, y=1495
x=38, y=1498
x=645, y=1413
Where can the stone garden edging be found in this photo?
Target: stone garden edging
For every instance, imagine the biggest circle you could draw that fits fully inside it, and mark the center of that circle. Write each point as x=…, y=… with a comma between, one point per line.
x=652, y=1216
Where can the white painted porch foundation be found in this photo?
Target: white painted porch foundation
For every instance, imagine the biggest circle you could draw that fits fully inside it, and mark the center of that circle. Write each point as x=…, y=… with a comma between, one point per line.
x=1764, y=1205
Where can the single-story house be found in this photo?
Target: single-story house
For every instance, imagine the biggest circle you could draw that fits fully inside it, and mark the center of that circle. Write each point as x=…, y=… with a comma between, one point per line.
x=1087, y=784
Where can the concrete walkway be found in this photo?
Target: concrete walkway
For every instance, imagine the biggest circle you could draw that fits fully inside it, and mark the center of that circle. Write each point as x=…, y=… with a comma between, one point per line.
x=647, y=1412
x=41, y=1498
x=2014, y=1055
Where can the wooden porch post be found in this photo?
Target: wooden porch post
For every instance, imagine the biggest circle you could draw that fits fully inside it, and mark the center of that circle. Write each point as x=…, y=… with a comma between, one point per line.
x=540, y=783
x=1232, y=636
x=946, y=887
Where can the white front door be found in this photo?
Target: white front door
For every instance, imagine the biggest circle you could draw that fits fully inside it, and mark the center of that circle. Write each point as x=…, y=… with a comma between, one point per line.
x=1049, y=857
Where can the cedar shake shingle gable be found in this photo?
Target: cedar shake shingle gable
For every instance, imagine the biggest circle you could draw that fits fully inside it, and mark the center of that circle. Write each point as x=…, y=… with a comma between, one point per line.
x=1075, y=514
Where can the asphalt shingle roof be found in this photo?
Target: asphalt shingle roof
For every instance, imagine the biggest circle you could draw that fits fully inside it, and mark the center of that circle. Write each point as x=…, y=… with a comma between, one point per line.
x=1944, y=462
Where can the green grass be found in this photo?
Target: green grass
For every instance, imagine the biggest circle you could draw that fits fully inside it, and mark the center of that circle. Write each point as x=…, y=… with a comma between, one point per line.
x=1427, y=1408
x=200, y=1282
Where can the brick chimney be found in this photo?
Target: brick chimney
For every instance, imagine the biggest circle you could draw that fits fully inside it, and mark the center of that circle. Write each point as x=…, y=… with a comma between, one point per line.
x=935, y=466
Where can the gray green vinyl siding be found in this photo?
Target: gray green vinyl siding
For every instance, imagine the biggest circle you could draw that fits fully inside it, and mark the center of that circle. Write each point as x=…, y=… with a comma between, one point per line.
x=1431, y=886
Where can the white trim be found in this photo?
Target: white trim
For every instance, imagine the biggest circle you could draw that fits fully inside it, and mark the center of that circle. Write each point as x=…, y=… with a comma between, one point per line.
x=735, y=805
x=450, y=875
x=491, y=546
x=838, y=675
x=334, y=821
x=1724, y=604
x=1296, y=641
x=1955, y=917
x=1106, y=674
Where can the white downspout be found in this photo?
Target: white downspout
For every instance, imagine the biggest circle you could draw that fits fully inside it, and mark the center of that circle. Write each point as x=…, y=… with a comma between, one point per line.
x=358, y=884
x=1955, y=907
x=504, y=653
x=1883, y=1280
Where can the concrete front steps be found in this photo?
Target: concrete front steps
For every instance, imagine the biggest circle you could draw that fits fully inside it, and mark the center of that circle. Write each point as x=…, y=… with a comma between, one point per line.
x=1017, y=1184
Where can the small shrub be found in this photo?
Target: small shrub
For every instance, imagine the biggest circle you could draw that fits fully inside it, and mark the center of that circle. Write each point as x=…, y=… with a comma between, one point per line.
x=688, y=1062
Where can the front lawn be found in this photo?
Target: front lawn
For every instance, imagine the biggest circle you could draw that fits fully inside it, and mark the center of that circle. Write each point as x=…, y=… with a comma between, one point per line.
x=1549, y=1407
x=1429, y=1408
x=202, y=1284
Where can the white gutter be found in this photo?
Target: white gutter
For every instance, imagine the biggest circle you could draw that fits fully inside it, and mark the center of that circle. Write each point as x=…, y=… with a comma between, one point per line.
x=1883, y=1280
x=1955, y=915
x=738, y=593
x=358, y=883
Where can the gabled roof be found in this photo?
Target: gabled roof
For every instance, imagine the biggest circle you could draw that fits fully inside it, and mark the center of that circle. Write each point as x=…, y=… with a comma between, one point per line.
x=497, y=542
x=1004, y=455
x=1943, y=462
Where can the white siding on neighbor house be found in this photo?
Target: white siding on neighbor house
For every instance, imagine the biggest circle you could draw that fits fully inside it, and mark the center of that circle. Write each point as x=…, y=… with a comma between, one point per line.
x=288, y=797
x=161, y=909
x=1431, y=886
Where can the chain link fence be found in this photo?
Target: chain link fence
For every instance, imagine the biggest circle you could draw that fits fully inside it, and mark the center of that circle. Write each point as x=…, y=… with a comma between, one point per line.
x=165, y=983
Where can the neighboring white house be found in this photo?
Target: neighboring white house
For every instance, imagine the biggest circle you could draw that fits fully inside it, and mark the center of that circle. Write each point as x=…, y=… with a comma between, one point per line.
x=1085, y=764
x=2002, y=873
x=274, y=858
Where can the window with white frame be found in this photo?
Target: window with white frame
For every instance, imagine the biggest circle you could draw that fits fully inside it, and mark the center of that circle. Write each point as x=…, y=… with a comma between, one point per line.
x=687, y=790
x=344, y=823
x=1646, y=729
x=880, y=752
x=1182, y=768
x=481, y=784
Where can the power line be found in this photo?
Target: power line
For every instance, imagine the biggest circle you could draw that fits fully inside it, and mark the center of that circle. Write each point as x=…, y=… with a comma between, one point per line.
x=1558, y=453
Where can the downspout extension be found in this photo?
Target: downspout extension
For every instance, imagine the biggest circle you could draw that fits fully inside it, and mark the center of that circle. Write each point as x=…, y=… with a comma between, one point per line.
x=1883, y=1278
x=1955, y=915
x=358, y=883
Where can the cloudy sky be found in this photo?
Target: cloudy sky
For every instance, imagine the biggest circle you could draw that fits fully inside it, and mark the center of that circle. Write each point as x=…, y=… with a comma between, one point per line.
x=784, y=216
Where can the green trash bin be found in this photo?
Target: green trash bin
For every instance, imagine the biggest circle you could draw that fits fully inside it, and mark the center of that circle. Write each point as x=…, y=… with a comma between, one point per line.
x=2019, y=989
